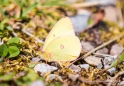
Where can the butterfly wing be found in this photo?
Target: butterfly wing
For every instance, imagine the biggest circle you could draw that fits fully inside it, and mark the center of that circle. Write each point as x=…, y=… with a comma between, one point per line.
x=64, y=48
x=62, y=27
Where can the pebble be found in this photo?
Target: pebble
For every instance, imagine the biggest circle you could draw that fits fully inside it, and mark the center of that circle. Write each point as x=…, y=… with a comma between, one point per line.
x=36, y=59
x=75, y=68
x=116, y=49
x=87, y=46
x=73, y=77
x=44, y=68
x=37, y=83
x=93, y=60
x=121, y=83
x=85, y=66
x=54, y=77
x=102, y=51
x=99, y=66
x=112, y=70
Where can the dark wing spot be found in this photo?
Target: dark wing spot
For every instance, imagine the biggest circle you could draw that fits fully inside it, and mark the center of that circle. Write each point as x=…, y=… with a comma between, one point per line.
x=53, y=35
x=61, y=46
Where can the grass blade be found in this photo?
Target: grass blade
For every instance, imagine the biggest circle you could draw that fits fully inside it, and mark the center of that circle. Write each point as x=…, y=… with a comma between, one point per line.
x=19, y=3
x=2, y=13
x=29, y=9
x=119, y=59
x=49, y=3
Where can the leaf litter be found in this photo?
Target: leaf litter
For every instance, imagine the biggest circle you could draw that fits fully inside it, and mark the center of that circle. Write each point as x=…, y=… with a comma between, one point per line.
x=32, y=27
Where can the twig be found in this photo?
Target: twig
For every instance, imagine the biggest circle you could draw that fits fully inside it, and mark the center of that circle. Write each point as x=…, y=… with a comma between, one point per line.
x=119, y=14
x=100, y=54
x=88, y=4
x=14, y=34
x=103, y=70
x=108, y=67
x=104, y=55
x=31, y=35
x=101, y=46
x=92, y=82
x=115, y=77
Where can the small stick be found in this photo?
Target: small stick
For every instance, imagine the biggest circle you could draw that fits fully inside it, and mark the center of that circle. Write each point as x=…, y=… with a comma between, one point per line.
x=105, y=55
x=31, y=35
x=115, y=77
x=14, y=34
x=104, y=70
x=110, y=66
x=89, y=4
x=100, y=54
x=94, y=82
x=101, y=46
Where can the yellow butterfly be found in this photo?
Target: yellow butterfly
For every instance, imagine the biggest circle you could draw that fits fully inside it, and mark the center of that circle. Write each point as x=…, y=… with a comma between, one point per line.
x=62, y=44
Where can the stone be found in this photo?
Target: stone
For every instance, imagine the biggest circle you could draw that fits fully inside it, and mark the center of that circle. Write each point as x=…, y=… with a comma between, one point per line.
x=73, y=77
x=102, y=51
x=121, y=83
x=112, y=70
x=44, y=68
x=54, y=77
x=85, y=66
x=116, y=49
x=75, y=68
x=93, y=60
x=36, y=59
x=87, y=46
x=37, y=83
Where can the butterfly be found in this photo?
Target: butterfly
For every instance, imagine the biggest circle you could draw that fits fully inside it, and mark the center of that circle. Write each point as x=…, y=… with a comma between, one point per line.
x=61, y=43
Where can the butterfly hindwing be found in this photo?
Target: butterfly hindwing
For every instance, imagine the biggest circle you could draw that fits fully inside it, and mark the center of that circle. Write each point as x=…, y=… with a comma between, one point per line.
x=64, y=48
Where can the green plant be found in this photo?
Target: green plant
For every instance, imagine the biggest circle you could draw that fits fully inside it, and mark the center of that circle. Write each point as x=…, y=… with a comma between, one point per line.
x=2, y=24
x=119, y=59
x=7, y=77
x=10, y=49
x=49, y=3
x=23, y=13
x=3, y=3
x=5, y=28
x=2, y=13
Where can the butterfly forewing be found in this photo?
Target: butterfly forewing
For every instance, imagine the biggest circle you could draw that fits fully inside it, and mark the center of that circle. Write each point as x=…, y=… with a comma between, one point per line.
x=62, y=27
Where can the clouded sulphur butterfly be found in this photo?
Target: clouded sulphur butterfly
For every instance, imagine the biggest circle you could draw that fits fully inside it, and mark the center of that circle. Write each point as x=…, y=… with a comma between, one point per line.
x=62, y=44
